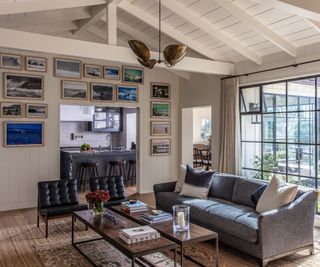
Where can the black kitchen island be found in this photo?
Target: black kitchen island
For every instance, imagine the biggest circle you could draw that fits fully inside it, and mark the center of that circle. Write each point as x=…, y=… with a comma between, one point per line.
x=71, y=159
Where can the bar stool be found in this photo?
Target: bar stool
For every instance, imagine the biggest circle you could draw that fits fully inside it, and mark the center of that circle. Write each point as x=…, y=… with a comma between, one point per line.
x=118, y=168
x=132, y=172
x=87, y=170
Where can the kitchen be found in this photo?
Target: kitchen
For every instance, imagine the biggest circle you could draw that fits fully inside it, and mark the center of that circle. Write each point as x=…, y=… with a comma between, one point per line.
x=98, y=137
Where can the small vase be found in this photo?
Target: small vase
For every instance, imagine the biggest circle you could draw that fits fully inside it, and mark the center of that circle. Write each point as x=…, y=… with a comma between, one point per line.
x=98, y=207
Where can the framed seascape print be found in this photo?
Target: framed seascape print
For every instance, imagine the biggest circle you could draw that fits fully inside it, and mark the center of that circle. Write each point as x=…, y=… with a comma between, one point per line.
x=132, y=75
x=36, y=110
x=38, y=64
x=74, y=90
x=11, y=110
x=160, y=110
x=102, y=92
x=23, y=134
x=23, y=86
x=11, y=61
x=160, y=147
x=126, y=93
x=160, y=91
x=160, y=128
x=67, y=68
x=111, y=73
x=92, y=71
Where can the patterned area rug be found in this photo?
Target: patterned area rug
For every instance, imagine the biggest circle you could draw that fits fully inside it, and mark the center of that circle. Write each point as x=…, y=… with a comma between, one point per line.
x=26, y=246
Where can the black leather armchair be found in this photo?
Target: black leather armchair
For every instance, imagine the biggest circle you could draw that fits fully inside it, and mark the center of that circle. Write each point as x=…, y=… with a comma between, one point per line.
x=113, y=184
x=57, y=199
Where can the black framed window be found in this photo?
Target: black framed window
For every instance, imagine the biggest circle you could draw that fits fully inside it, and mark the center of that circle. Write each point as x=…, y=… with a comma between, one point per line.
x=280, y=131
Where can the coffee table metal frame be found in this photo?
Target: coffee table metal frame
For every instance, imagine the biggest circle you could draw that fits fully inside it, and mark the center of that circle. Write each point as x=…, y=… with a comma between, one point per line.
x=133, y=256
x=211, y=235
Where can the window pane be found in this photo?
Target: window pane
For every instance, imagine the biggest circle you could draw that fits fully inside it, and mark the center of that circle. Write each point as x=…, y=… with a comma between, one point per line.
x=250, y=154
x=308, y=182
x=268, y=176
x=301, y=95
x=250, y=99
x=274, y=127
x=274, y=97
x=274, y=157
x=301, y=160
x=251, y=127
x=251, y=174
x=301, y=127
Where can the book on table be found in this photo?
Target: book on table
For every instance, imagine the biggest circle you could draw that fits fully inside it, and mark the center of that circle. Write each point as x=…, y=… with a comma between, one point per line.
x=158, y=217
x=137, y=206
x=138, y=234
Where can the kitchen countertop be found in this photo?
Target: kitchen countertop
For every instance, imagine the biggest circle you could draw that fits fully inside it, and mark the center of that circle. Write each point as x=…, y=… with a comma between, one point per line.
x=97, y=152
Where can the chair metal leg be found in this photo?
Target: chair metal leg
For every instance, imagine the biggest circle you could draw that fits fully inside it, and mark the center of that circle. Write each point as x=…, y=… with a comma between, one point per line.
x=46, y=228
x=38, y=220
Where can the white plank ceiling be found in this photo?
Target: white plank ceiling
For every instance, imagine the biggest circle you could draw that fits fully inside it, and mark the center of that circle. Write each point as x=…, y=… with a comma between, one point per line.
x=247, y=41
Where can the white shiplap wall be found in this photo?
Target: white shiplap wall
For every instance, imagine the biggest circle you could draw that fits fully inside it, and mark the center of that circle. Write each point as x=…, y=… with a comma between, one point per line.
x=21, y=168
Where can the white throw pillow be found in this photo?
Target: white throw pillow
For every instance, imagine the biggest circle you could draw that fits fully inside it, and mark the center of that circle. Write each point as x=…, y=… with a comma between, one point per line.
x=181, y=178
x=276, y=195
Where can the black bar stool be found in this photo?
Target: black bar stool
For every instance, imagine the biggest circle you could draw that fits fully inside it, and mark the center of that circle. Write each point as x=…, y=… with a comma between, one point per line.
x=118, y=168
x=132, y=172
x=87, y=170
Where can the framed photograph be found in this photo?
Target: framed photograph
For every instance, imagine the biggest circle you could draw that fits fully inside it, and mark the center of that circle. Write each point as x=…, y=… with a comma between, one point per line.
x=67, y=68
x=160, y=147
x=102, y=92
x=23, y=133
x=23, y=86
x=160, y=110
x=160, y=91
x=38, y=64
x=11, y=61
x=160, y=128
x=92, y=71
x=36, y=110
x=132, y=75
x=11, y=110
x=74, y=90
x=111, y=73
x=127, y=93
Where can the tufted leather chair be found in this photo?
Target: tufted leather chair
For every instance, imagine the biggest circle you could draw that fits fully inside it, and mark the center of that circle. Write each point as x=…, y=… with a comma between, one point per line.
x=57, y=199
x=113, y=184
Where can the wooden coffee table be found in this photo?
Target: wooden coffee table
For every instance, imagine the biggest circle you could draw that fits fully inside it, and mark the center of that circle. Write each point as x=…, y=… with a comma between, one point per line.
x=110, y=233
x=196, y=234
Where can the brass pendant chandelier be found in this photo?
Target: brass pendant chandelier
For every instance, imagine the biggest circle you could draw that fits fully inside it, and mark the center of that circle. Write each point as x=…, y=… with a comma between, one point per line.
x=172, y=53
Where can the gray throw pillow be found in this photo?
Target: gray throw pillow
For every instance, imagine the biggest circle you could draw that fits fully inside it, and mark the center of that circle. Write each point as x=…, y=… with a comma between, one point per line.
x=197, y=183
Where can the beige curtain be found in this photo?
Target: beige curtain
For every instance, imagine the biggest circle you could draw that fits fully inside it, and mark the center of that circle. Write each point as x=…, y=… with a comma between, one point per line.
x=230, y=146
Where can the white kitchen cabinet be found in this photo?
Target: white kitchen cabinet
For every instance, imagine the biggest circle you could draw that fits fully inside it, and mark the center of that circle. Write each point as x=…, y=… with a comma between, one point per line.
x=76, y=113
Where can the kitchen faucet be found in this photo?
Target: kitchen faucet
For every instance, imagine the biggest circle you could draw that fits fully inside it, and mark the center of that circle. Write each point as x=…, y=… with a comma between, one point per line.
x=109, y=141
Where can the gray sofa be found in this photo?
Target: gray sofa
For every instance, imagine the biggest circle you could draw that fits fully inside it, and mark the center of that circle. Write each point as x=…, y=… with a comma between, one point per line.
x=230, y=212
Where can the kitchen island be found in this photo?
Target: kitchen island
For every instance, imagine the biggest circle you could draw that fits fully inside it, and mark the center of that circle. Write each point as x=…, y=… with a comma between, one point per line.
x=71, y=159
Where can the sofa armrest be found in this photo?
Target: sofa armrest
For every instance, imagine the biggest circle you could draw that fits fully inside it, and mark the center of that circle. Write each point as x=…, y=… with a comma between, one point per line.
x=288, y=228
x=164, y=187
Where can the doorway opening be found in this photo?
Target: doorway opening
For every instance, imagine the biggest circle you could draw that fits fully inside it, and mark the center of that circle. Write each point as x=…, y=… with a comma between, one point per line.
x=196, y=137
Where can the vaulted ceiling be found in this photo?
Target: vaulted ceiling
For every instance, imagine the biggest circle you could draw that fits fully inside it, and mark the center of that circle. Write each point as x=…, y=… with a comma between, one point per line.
x=220, y=30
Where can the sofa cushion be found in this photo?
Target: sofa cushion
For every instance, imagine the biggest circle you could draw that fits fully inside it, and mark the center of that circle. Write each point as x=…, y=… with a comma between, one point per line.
x=62, y=210
x=221, y=215
x=257, y=194
x=222, y=186
x=166, y=200
x=197, y=183
x=243, y=189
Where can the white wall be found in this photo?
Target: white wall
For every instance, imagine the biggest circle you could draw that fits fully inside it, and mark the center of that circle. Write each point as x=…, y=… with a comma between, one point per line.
x=199, y=114
x=204, y=90
x=21, y=168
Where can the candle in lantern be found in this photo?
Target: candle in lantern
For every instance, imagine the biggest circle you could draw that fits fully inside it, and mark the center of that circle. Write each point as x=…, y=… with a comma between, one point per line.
x=181, y=220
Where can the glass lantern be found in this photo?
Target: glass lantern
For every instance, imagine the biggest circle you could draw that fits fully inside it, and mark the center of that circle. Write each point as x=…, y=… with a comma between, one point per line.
x=181, y=218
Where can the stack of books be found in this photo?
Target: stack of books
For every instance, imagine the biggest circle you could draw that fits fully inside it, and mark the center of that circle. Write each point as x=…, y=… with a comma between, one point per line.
x=136, y=206
x=138, y=234
x=157, y=217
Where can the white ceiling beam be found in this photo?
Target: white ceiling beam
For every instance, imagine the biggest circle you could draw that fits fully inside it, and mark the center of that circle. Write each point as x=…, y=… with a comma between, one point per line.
x=169, y=31
x=210, y=29
x=70, y=47
x=15, y=7
x=112, y=24
x=258, y=26
x=96, y=13
x=100, y=34
x=309, y=9
x=50, y=28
